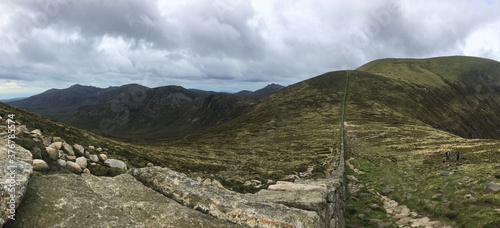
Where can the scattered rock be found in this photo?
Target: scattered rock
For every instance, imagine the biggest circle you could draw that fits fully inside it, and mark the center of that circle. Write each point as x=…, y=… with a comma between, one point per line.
x=61, y=162
x=53, y=153
x=254, y=183
x=57, y=145
x=352, y=178
x=94, y=158
x=86, y=171
x=61, y=153
x=92, y=147
x=47, y=140
x=114, y=163
x=291, y=177
x=466, y=178
x=40, y=165
x=56, y=139
x=98, y=149
x=150, y=164
x=103, y=157
x=21, y=129
x=446, y=173
x=70, y=157
x=468, y=196
x=36, y=153
x=436, y=196
x=68, y=149
x=82, y=162
x=492, y=187
x=387, y=190
x=36, y=132
x=73, y=167
x=79, y=150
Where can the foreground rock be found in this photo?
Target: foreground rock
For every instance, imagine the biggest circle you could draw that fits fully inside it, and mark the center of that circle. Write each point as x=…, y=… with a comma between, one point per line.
x=148, y=206
x=324, y=196
x=13, y=179
x=224, y=204
x=90, y=201
x=40, y=165
x=72, y=203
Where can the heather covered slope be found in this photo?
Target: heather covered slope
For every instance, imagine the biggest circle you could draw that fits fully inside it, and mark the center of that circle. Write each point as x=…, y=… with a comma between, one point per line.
x=457, y=94
x=286, y=133
x=401, y=121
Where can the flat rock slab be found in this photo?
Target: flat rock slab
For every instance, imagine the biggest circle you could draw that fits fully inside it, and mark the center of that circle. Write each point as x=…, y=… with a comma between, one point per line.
x=222, y=203
x=15, y=171
x=306, y=200
x=68, y=200
x=65, y=200
x=147, y=206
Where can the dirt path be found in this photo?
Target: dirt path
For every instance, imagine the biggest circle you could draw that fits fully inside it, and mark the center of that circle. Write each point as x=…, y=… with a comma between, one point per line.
x=401, y=213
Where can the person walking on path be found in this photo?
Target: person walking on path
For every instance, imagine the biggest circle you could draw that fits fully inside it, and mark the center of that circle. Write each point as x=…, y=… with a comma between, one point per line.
x=458, y=154
x=448, y=153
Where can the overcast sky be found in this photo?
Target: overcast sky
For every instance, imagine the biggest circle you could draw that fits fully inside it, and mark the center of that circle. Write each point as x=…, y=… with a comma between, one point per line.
x=226, y=45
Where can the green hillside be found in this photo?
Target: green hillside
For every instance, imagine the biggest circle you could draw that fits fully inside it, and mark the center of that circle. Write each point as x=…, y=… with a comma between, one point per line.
x=456, y=94
x=401, y=121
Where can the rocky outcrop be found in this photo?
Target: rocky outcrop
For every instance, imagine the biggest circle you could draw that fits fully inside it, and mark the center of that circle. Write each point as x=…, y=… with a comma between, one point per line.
x=15, y=171
x=92, y=201
x=224, y=204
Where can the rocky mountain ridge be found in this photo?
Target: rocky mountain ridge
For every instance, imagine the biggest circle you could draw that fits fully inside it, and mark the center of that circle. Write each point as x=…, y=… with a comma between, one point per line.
x=135, y=111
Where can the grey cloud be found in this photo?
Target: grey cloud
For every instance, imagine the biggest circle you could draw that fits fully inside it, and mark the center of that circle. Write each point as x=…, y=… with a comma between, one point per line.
x=37, y=52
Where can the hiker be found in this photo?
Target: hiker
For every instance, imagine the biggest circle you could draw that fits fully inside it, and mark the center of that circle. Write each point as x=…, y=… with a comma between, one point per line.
x=448, y=153
x=458, y=154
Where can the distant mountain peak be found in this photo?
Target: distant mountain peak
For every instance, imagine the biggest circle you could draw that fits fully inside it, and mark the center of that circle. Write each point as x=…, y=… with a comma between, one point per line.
x=269, y=89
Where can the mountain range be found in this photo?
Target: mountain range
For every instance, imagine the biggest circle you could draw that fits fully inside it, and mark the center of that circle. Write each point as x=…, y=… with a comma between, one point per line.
x=135, y=111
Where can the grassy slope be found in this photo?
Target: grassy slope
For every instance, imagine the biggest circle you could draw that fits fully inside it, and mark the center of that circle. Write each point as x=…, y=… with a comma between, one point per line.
x=285, y=133
x=72, y=135
x=395, y=139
